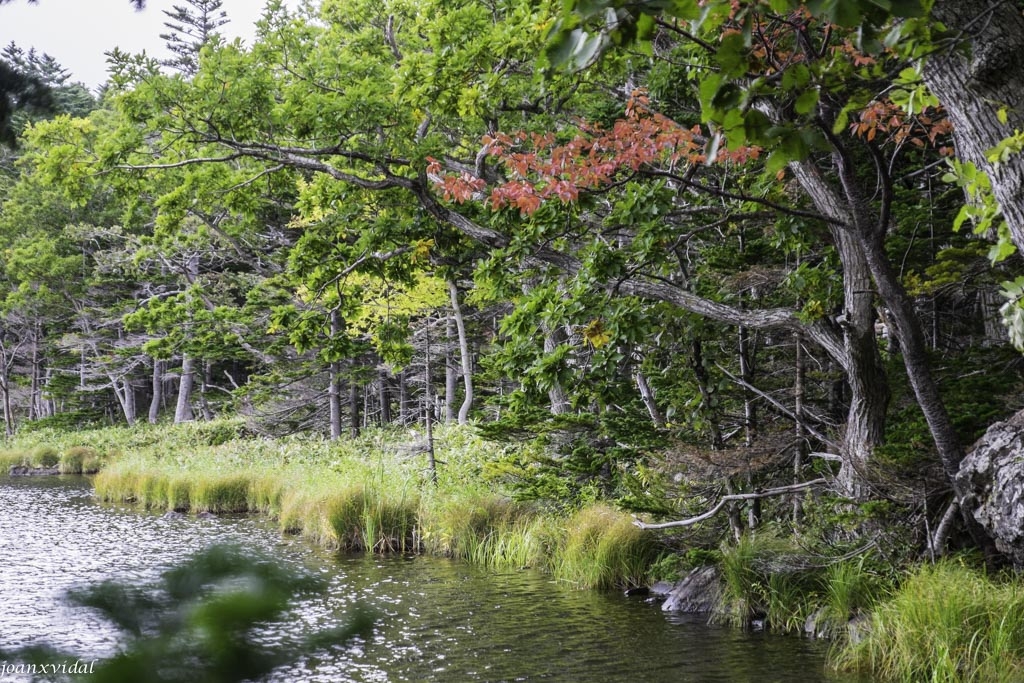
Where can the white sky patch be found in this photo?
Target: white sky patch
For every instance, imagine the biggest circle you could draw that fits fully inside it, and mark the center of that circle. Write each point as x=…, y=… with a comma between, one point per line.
x=77, y=33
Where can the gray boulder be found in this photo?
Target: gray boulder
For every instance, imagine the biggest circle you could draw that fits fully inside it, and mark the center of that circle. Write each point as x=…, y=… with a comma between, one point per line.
x=993, y=476
x=696, y=593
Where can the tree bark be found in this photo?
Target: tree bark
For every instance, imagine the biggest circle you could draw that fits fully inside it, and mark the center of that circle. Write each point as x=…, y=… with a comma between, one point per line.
x=975, y=83
x=464, y=355
x=183, y=411
x=868, y=384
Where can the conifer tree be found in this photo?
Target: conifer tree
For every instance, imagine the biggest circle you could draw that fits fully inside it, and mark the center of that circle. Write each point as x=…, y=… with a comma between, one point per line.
x=191, y=27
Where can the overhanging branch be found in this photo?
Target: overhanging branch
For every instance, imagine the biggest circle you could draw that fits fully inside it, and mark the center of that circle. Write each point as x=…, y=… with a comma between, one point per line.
x=725, y=500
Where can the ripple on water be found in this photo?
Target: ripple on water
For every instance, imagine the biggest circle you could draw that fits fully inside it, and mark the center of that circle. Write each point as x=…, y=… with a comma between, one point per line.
x=438, y=620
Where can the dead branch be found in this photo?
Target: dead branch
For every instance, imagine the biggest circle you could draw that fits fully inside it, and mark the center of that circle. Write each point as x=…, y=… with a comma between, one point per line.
x=724, y=500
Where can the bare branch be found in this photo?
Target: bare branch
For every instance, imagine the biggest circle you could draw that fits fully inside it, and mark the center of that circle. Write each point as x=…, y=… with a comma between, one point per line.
x=779, y=491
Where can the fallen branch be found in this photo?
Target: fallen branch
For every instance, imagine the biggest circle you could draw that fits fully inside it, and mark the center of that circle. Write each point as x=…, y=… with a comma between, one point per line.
x=781, y=490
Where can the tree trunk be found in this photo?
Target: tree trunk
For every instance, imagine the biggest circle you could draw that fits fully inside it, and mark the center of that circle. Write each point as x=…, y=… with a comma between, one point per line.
x=647, y=395
x=183, y=411
x=125, y=394
x=5, y=387
x=384, y=396
x=159, y=366
x=451, y=377
x=353, y=404
x=862, y=362
x=556, y=394
x=429, y=417
x=204, y=387
x=973, y=85
x=799, y=433
x=404, y=408
x=334, y=386
x=466, y=358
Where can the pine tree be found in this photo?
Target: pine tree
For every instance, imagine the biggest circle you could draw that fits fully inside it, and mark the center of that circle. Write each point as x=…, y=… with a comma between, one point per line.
x=191, y=27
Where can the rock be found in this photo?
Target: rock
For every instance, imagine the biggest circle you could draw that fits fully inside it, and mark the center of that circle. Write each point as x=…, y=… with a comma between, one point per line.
x=662, y=589
x=205, y=515
x=26, y=471
x=696, y=593
x=858, y=628
x=993, y=476
x=815, y=625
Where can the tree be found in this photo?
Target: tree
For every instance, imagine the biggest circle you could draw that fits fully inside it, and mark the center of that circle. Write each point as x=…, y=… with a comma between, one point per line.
x=191, y=27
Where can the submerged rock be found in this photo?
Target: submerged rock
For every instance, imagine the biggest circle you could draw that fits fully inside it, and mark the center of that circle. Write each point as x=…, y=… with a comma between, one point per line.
x=993, y=474
x=696, y=593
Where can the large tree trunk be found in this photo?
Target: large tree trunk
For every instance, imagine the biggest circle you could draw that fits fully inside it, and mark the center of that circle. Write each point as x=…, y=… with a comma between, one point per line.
x=868, y=384
x=973, y=85
x=183, y=411
x=467, y=360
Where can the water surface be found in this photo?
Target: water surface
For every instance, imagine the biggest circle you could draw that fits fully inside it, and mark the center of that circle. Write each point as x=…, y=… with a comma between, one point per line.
x=439, y=620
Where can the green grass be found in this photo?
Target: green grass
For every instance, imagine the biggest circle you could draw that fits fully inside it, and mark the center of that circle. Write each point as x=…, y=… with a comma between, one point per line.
x=602, y=548
x=370, y=494
x=11, y=458
x=947, y=623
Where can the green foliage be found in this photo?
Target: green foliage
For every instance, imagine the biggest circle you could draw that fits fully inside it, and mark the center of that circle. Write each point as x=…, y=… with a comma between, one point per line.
x=946, y=622
x=199, y=622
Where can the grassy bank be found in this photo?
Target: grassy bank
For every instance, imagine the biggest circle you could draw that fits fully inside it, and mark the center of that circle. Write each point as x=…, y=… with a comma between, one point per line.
x=373, y=493
x=947, y=623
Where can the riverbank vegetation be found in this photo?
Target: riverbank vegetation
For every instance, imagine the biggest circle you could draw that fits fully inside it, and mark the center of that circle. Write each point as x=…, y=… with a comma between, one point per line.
x=491, y=280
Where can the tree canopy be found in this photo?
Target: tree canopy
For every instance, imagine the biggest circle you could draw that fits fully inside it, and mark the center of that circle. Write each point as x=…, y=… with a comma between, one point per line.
x=677, y=244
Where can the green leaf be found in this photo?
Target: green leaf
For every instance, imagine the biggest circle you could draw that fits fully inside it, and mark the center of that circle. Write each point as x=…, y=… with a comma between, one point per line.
x=807, y=101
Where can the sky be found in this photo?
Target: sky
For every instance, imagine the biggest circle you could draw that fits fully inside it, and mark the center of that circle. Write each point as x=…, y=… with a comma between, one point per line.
x=77, y=32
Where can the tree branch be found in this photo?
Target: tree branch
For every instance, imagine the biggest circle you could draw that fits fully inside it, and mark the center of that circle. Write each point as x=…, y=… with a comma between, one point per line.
x=779, y=491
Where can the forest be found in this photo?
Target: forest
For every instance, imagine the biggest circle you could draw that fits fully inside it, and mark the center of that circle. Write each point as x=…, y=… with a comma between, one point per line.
x=732, y=267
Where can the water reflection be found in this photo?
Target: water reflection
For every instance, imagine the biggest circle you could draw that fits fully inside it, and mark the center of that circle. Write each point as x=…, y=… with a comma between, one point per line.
x=440, y=620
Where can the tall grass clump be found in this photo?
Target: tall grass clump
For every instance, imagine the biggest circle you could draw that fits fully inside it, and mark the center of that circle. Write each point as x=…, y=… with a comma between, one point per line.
x=850, y=590
x=219, y=492
x=765, y=578
x=484, y=528
x=12, y=458
x=44, y=456
x=602, y=548
x=79, y=460
x=946, y=623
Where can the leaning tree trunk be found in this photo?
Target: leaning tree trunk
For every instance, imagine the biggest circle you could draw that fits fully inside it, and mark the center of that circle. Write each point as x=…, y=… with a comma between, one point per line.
x=977, y=83
x=467, y=360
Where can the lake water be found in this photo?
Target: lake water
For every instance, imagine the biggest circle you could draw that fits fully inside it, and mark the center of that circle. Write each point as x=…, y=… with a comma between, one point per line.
x=438, y=620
